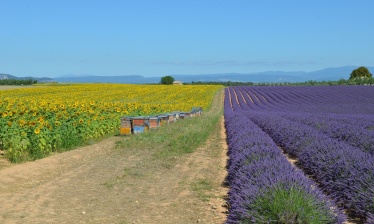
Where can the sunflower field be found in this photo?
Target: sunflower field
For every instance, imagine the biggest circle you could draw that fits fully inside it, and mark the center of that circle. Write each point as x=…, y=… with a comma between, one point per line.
x=37, y=121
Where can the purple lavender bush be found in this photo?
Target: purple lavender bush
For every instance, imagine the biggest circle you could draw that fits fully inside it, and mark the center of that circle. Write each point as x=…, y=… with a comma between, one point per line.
x=344, y=130
x=345, y=172
x=329, y=130
x=264, y=186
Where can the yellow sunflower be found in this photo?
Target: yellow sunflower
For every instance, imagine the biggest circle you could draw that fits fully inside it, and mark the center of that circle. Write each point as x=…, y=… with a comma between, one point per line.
x=37, y=131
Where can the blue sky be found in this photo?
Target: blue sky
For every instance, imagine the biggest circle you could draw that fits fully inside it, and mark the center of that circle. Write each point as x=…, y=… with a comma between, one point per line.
x=167, y=37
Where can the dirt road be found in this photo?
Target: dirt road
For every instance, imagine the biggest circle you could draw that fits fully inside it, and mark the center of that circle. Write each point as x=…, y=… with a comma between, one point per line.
x=102, y=183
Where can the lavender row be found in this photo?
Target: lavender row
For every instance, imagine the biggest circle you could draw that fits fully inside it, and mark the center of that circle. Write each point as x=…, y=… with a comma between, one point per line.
x=258, y=170
x=342, y=130
x=318, y=99
x=343, y=171
x=356, y=129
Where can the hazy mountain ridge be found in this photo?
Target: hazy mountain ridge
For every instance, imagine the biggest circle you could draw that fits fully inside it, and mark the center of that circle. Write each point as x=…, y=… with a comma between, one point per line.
x=328, y=74
x=8, y=76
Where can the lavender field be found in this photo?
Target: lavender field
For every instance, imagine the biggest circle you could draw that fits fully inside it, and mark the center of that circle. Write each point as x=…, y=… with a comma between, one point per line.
x=328, y=131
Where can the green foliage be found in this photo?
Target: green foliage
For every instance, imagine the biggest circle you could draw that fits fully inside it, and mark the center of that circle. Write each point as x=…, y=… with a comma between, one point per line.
x=23, y=144
x=167, y=80
x=18, y=82
x=290, y=205
x=361, y=72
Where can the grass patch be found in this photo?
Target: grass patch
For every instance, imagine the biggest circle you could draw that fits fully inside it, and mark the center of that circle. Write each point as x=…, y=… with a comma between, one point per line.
x=202, y=187
x=111, y=183
x=287, y=206
x=129, y=174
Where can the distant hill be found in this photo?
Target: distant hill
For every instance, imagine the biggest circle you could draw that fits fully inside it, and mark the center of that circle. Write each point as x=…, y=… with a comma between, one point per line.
x=131, y=79
x=328, y=74
x=257, y=77
x=333, y=73
x=7, y=76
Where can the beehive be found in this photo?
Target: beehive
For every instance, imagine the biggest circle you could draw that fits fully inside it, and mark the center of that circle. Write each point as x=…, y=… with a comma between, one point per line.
x=126, y=126
x=139, y=121
x=154, y=122
x=139, y=124
x=176, y=113
x=164, y=119
x=171, y=118
x=126, y=122
x=138, y=129
x=125, y=131
x=187, y=114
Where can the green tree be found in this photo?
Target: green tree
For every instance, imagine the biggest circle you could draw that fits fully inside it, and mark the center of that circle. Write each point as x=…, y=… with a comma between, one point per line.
x=361, y=72
x=167, y=80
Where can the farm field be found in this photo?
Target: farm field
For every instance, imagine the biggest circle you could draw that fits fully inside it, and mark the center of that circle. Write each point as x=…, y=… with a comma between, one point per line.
x=300, y=154
x=36, y=122
x=172, y=175
x=296, y=155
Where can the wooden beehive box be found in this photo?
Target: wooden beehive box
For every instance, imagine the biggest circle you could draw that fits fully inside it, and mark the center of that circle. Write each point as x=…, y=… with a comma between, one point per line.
x=171, y=118
x=164, y=119
x=187, y=114
x=126, y=125
x=125, y=131
x=154, y=122
x=139, y=121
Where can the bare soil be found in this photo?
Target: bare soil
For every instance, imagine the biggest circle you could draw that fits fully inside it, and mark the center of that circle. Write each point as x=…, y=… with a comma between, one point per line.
x=103, y=183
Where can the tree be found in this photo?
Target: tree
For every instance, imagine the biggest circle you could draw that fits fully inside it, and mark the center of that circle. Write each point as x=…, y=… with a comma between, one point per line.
x=361, y=72
x=167, y=80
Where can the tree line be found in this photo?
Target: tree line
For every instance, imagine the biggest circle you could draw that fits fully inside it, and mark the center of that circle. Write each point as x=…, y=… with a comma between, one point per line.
x=18, y=82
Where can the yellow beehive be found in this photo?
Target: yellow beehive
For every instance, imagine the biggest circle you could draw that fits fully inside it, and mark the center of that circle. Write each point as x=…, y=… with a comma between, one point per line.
x=125, y=131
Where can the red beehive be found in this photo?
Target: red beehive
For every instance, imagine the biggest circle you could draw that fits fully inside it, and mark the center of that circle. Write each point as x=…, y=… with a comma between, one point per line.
x=138, y=121
x=154, y=122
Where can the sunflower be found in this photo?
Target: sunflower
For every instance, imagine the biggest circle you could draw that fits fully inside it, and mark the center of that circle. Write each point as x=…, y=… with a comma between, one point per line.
x=21, y=123
x=37, y=131
x=40, y=120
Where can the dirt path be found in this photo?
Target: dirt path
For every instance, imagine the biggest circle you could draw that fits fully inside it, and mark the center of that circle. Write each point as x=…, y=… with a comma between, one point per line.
x=102, y=184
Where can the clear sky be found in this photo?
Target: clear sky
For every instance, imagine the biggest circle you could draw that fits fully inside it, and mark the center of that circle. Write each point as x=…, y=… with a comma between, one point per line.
x=168, y=37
